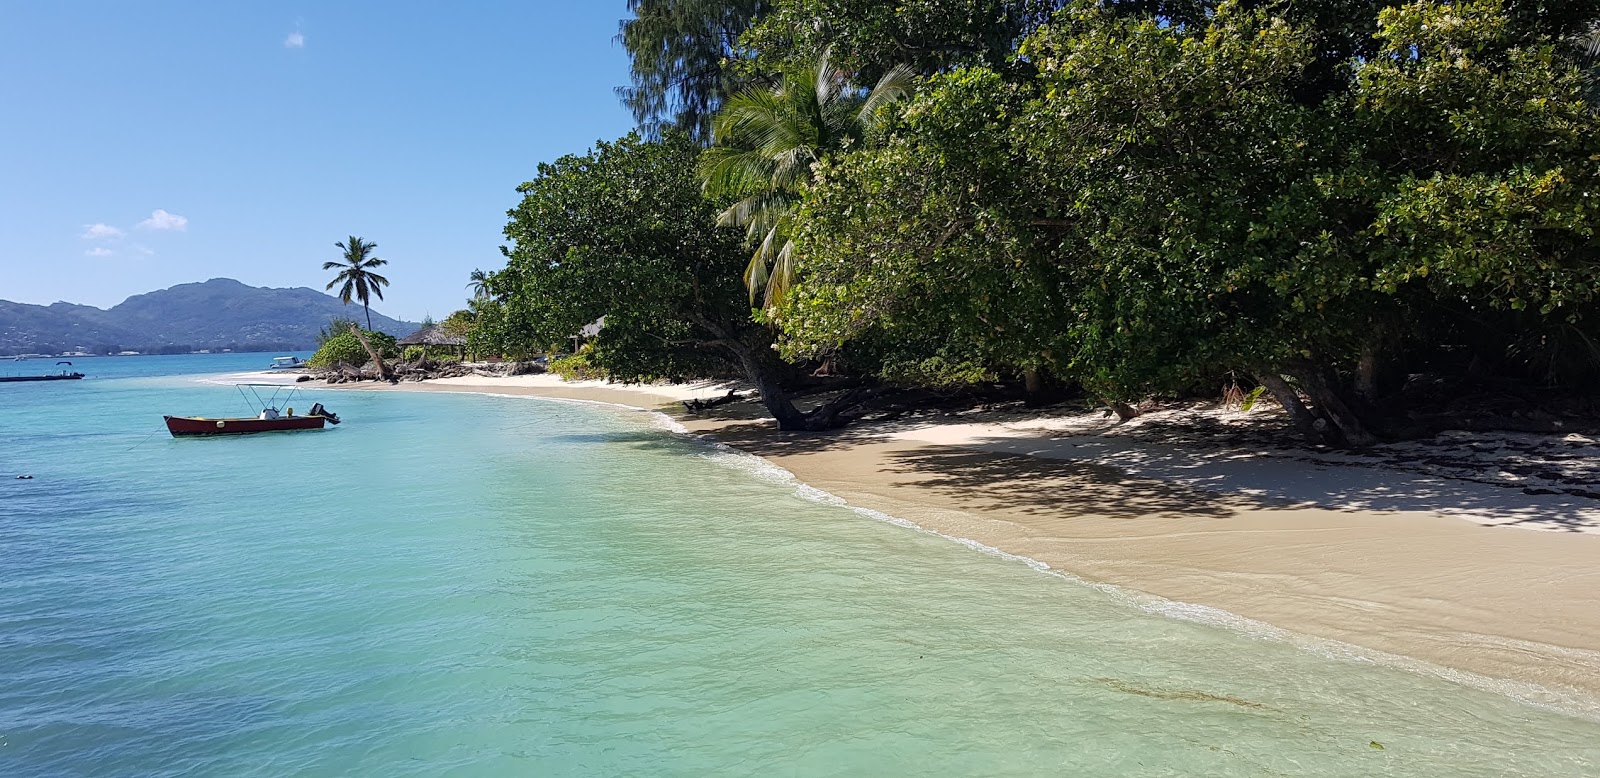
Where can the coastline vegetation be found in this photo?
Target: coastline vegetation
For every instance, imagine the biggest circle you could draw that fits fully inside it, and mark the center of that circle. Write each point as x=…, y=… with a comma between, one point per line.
x=356, y=281
x=339, y=344
x=1363, y=209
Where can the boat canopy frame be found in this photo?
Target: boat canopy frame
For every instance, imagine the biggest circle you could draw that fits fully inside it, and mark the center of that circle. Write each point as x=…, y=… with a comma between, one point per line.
x=249, y=391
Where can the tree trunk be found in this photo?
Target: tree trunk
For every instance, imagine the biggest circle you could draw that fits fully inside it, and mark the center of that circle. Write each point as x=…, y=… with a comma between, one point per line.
x=1032, y=381
x=369, y=314
x=1313, y=378
x=1290, y=400
x=377, y=359
x=1367, y=373
x=762, y=370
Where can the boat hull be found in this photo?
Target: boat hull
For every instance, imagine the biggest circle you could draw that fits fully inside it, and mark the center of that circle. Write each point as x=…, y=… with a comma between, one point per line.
x=186, y=426
x=64, y=377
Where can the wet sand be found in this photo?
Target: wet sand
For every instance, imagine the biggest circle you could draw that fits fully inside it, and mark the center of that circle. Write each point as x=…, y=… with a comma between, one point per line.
x=1505, y=607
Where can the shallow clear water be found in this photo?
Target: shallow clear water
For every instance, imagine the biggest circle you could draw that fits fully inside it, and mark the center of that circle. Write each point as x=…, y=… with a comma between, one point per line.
x=471, y=585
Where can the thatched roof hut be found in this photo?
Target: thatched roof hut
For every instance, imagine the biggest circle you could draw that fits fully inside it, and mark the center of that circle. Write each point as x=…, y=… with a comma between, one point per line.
x=432, y=335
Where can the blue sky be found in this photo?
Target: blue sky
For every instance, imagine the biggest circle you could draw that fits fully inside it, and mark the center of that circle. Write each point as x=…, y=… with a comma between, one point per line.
x=149, y=144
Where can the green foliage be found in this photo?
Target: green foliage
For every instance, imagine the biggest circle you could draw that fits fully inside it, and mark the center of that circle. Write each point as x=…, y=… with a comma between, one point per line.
x=1165, y=202
x=870, y=37
x=926, y=244
x=357, y=279
x=578, y=367
x=479, y=284
x=936, y=371
x=1141, y=198
x=623, y=232
x=683, y=54
x=337, y=326
x=1248, y=400
x=347, y=349
x=768, y=141
x=460, y=323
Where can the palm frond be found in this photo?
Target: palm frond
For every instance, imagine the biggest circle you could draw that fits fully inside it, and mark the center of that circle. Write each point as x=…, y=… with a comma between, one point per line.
x=1588, y=39
x=896, y=85
x=781, y=277
x=758, y=213
x=729, y=170
x=756, y=272
x=826, y=82
x=768, y=142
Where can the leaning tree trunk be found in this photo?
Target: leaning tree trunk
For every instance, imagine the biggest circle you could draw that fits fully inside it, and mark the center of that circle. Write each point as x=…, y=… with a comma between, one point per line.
x=763, y=371
x=1299, y=416
x=1314, y=379
x=377, y=359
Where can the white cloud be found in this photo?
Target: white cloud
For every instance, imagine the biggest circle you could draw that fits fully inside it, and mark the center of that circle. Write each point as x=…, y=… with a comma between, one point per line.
x=101, y=232
x=161, y=220
x=99, y=251
x=143, y=251
x=295, y=41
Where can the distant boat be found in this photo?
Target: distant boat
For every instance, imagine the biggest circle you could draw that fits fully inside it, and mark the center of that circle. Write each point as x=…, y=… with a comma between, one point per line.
x=64, y=375
x=286, y=363
x=268, y=420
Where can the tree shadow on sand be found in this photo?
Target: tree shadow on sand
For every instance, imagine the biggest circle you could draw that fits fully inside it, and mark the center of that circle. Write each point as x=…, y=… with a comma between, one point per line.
x=1042, y=487
x=989, y=481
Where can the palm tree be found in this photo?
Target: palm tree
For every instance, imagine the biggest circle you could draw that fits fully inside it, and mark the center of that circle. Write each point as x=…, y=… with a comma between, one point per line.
x=1587, y=41
x=767, y=142
x=355, y=272
x=479, y=282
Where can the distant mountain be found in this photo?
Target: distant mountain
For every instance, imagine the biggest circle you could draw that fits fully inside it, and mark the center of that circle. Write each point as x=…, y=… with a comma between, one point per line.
x=220, y=313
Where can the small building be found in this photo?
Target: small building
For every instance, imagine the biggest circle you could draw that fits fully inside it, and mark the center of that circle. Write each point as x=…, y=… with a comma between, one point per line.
x=588, y=333
x=433, y=336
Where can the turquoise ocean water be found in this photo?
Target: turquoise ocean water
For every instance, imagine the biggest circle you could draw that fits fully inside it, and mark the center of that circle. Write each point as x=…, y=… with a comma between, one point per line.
x=475, y=585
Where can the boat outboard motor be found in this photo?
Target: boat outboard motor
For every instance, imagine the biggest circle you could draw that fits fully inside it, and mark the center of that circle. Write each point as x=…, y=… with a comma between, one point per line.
x=318, y=410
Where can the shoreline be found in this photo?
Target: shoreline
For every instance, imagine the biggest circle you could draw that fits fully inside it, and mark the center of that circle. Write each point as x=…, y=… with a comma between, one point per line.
x=1513, y=609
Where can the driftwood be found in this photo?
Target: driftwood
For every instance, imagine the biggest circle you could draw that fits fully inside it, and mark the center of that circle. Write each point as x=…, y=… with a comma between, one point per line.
x=697, y=406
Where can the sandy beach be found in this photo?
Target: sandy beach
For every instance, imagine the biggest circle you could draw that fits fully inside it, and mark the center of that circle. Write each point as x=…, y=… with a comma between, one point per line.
x=1490, y=586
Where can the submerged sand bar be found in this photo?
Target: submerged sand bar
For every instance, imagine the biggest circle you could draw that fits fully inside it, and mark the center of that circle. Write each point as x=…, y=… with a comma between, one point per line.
x=1437, y=582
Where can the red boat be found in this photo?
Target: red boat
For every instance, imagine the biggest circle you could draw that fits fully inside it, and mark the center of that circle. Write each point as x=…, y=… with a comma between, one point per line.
x=200, y=425
x=268, y=420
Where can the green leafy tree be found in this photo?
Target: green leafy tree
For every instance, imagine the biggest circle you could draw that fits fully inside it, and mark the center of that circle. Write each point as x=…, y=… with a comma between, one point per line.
x=626, y=233
x=1167, y=202
x=459, y=323
x=356, y=279
x=931, y=251
x=869, y=37
x=337, y=326
x=768, y=141
x=347, y=348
